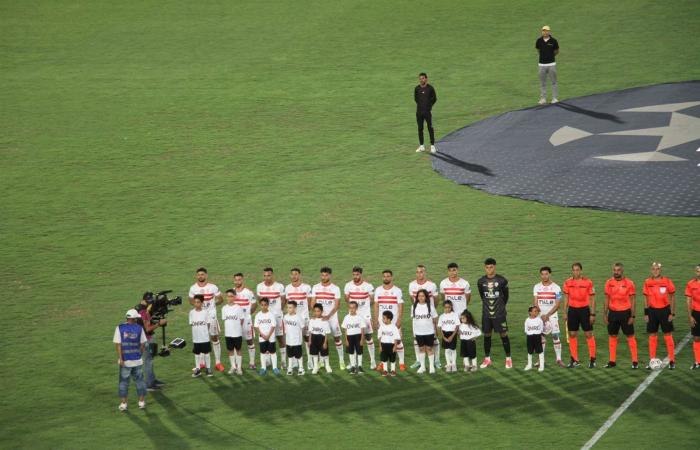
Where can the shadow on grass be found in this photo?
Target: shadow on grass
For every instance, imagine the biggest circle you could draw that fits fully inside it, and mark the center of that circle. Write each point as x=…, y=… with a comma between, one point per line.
x=471, y=167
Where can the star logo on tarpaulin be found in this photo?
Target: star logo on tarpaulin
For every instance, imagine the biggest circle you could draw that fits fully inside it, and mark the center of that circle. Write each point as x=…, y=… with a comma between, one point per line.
x=682, y=128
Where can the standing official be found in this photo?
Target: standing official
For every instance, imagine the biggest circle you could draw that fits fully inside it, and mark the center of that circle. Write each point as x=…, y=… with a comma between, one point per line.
x=579, y=312
x=548, y=48
x=619, y=311
x=692, y=295
x=493, y=289
x=425, y=97
x=659, y=311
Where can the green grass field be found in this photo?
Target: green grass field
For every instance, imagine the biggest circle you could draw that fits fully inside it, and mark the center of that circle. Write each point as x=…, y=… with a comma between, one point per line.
x=140, y=140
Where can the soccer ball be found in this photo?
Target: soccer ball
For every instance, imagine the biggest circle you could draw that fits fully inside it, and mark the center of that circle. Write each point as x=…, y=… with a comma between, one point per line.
x=656, y=363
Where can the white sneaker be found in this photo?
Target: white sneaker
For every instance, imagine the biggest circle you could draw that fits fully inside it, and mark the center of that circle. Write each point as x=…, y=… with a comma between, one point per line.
x=328, y=369
x=239, y=371
x=475, y=367
x=485, y=363
x=541, y=369
x=142, y=404
x=300, y=371
x=231, y=371
x=433, y=149
x=542, y=101
x=421, y=369
x=554, y=100
x=372, y=366
x=314, y=370
x=509, y=363
x=290, y=372
x=528, y=367
x=122, y=407
x=420, y=149
x=466, y=368
x=431, y=369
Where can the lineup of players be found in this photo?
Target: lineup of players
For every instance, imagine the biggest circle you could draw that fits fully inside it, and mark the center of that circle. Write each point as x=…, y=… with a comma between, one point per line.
x=299, y=319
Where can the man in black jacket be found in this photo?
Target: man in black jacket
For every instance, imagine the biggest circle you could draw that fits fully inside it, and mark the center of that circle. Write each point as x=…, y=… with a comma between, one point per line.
x=548, y=48
x=425, y=98
x=493, y=289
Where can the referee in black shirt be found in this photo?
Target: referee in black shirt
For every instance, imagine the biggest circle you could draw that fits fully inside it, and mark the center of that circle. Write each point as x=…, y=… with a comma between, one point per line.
x=548, y=48
x=425, y=98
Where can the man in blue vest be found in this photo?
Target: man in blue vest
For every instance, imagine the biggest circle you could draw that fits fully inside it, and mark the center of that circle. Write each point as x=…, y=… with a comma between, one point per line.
x=130, y=340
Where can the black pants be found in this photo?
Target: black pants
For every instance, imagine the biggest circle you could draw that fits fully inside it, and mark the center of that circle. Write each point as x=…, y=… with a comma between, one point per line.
x=426, y=116
x=354, y=344
x=534, y=344
x=388, y=354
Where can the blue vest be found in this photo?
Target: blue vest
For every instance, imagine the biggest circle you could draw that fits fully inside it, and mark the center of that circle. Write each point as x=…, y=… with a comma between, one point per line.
x=131, y=341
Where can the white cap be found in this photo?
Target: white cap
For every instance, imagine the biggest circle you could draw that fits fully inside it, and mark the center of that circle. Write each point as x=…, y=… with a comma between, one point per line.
x=132, y=314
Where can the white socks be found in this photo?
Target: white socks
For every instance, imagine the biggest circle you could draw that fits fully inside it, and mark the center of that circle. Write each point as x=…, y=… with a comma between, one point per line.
x=273, y=360
x=436, y=350
x=263, y=360
x=451, y=357
x=431, y=361
x=232, y=360
x=416, y=350
x=541, y=355
x=327, y=361
x=283, y=354
x=217, y=351
x=341, y=355
x=251, y=353
x=393, y=367
x=353, y=359
x=557, y=349
x=400, y=352
x=421, y=358
x=207, y=360
x=359, y=361
x=370, y=348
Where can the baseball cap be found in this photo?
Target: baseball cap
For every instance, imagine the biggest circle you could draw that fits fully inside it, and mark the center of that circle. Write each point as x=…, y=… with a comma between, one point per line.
x=132, y=314
x=546, y=27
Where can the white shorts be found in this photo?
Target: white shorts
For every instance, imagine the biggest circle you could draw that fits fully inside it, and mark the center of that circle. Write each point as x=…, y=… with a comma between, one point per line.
x=552, y=325
x=369, y=329
x=335, y=326
x=279, y=327
x=214, y=329
x=248, y=330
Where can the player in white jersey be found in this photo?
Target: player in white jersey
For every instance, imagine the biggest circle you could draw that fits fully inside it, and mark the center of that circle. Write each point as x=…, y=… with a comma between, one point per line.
x=212, y=297
x=274, y=292
x=388, y=297
x=360, y=291
x=421, y=282
x=456, y=289
x=233, y=317
x=295, y=326
x=246, y=300
x=300, y=292
x=328, y=295
x=547, y=297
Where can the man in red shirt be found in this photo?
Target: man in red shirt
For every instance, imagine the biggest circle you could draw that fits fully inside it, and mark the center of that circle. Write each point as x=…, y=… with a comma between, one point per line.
x=579, y=312
x=619, y=311
x=659, y=310
x=692, y=295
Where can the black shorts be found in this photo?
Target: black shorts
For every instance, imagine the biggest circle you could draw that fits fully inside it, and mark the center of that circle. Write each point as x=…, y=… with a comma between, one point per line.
x=316, y=345
x=696, y=329
x=425, y=340
x=387, y=353
x=534, y=343
x=234, y=343
x=449, y=345
x=579, y=318
x=497, y=324
x=467, y=349
x=201, y=347
x=659, y=317
x=354, y=344
x=268, y=347
x=617, y=320
x=294, y=351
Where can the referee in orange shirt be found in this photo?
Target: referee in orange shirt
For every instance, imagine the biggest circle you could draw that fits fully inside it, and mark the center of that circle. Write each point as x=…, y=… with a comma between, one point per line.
x=692, y=295
x=659, y=311
x=579, y=312
x=619, y=311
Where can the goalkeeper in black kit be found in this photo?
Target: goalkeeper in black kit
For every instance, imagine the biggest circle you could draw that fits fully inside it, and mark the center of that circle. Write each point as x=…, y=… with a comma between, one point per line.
x=493, y=289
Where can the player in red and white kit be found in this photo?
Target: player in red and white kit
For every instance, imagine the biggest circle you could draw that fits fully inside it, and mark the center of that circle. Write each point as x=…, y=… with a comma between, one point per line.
x=547, y=297
x=388, y=297
x=328, y=295
x=456, y=289
x=422, y=282
x=300, y=292
x=246, y=300
x=360, y=291
x=212, y=298
x=274, y=292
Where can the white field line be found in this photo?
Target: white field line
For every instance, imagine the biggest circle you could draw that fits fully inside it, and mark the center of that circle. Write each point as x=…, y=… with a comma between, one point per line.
x=626, y=404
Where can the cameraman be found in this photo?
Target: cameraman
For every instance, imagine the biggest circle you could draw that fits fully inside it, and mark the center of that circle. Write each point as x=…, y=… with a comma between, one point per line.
x=152, y=383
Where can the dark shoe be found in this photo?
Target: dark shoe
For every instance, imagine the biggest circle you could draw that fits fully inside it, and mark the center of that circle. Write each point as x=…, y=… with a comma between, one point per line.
x=671, y=365
x=635, y=365
x=573, y=364
x=592, y=364
x=610, y=364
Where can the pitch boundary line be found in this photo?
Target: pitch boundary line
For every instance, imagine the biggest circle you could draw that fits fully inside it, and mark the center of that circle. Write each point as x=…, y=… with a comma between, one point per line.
x=626, y=404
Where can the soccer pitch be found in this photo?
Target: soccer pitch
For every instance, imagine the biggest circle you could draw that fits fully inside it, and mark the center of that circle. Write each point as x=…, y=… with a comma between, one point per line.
x=141, y=140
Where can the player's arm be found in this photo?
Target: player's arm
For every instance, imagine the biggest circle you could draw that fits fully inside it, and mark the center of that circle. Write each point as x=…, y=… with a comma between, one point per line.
x=633, y=302
x=119, y=354
x=672, y=300
x=253, y=307
x=325, y=341
x=565, y=311
x=375, y=313
x=363, y=330
x=433, y=97
x=506, y=291
x=591, y=300
x=218, y=298
x=468, y=296
x=556, y=47
x=415, y=95
x=398, y=319
x=689, y=302
x=606, y=306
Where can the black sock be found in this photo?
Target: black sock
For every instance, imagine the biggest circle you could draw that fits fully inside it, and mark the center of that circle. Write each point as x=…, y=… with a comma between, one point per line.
x=506, y=345
x=487, y=346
